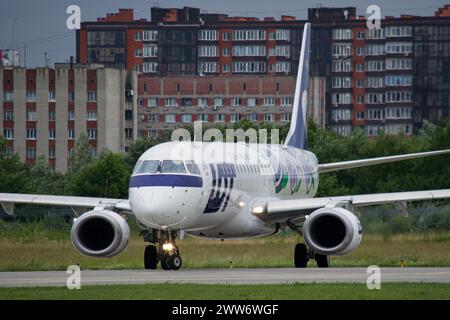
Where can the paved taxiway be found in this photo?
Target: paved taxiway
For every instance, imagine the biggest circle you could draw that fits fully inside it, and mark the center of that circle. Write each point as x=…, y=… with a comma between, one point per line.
x=225, y=276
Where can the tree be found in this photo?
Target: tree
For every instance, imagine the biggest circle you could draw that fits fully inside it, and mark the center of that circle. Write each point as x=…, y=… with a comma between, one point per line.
x=13, y=174
x=108, y=176
x=42, y=179
x=81, y=154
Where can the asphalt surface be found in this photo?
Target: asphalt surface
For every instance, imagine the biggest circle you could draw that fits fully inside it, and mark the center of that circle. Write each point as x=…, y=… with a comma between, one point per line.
x=225, y=276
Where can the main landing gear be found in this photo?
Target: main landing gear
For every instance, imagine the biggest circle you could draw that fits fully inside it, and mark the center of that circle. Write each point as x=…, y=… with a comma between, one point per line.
x=302, y=255
x=161, y=249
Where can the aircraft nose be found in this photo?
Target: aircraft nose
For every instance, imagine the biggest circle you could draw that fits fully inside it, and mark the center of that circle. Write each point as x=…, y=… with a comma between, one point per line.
x=160, y=207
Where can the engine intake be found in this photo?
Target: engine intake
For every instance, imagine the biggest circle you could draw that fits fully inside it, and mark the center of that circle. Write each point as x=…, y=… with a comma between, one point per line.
x=332, y=231
x=100, y=233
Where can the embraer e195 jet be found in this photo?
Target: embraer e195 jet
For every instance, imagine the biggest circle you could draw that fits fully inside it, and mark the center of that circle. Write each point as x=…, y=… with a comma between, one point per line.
x=212, y=190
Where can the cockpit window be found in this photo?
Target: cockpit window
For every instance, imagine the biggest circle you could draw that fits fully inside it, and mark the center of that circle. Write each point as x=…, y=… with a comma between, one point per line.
x=136, y=167
x=192, y=167
x=172, y=166
x=150, y=166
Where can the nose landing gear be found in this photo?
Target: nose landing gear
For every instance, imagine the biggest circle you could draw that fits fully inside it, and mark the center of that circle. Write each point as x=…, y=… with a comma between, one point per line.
x=162, y=249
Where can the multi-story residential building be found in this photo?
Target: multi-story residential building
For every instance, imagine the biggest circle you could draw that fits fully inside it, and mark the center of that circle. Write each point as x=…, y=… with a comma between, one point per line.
x=44, y=111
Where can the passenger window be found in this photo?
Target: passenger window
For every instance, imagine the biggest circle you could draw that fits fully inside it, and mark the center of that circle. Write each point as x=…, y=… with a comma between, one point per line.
x=172, y=166
x=150, y=166
x=192, y=167
x=136, y=167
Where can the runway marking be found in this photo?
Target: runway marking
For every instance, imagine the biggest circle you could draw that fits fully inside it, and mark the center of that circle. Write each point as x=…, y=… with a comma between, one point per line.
x=225, y=276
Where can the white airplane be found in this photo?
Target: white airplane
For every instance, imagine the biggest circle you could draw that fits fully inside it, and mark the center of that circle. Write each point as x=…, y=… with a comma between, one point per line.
x=211, y=190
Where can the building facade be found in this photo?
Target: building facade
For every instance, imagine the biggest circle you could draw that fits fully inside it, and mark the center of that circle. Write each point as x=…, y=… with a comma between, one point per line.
x=44, y=111
x=389, y=79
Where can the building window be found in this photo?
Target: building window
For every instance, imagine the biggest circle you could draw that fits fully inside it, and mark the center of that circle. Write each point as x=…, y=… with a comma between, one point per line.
x=283, y=34
x=235, y=117
x=170, y=118
x=138, y=53
x=399, y=80
x=150, y=35
x=249, y=66
x=8, y=134
x=360, y=35
x=52, y=115
x=128, y=133
x=283, y=66
x=359, y=67
x=31, y=96
x=209, y=35
x=341, y=98
x=52, y=134
x=375, y=34
x=203, y=117
x=207, y=51
x=207, y=67
x=153, y=117
x=359, y=115
x=249, y=34
x=360, y=83
x=399, y=64
x=342, y=34
x=171, y=102
x=251, y=102
x=269, y=117
x=375, y=65
x=236, y=102
x=138, y=36
x=341, y=66
x=150, y=67
x=202, y=102
x=71, y=115
x=150, y=50
x=374, y=49
x=71, y=134
x=92, y=115
x=359, y=99
x=51, y=153
x=399, y=47
x=225, y=52
x=51, y=96
x=252, y=116
x=226, y=67
x=218, y=102
x=8, y=96
x=225, y=36
x=219, y=118
x=31, y=115
x=374, y=98
x=360, y=51
x=269, y=101
x=399, y=31
x=31, y=134
x=8, y=115
x=374, y=82
x=31, y=153
x=285, y=117
x=286, y=101
x=341, y=82
x=342, y=49
x=249, y=51
x=71, y=96
x=92, y=96
x=186, y=118
x=398, y=96
x=92, y=134
x=152, y=102
x=341, y=114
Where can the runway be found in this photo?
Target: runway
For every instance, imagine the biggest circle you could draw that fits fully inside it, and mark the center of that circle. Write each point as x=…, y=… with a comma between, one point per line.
x=225, y=276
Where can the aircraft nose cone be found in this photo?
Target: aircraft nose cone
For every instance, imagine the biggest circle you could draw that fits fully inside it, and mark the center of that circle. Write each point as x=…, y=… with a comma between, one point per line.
x=159, y=207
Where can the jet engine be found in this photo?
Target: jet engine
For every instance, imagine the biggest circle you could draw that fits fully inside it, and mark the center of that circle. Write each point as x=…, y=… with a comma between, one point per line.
x=332, y=231
x=100, y=233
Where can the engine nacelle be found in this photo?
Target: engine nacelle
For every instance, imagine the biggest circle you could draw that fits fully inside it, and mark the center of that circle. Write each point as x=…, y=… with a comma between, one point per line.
x=100, y=233
x=332, y=231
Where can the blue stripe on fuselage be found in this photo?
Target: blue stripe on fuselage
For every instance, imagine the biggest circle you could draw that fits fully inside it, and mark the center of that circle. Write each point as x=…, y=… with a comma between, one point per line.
x=165, y=180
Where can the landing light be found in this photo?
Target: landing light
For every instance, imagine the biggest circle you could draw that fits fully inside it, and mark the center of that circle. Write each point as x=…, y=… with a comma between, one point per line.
x=241, y=204
x=168, y=247
x=258, y=210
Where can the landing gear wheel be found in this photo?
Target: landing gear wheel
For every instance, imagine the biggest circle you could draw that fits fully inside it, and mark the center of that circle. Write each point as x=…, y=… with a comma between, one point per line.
x=301, y=255
x=176, y=262
x=322, y=260
x=150, y=257
x=165, y=262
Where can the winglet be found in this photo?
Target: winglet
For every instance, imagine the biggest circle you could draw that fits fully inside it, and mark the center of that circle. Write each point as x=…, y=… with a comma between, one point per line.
x=296, y=136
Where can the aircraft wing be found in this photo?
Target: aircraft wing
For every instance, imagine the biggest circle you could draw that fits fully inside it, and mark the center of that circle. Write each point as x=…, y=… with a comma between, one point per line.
x=296, y=209
x=369, y=162
x=8, y=200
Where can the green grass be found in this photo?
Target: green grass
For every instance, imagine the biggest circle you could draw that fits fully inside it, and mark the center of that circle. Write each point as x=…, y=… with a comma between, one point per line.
x=37, y=252
x=400, y=291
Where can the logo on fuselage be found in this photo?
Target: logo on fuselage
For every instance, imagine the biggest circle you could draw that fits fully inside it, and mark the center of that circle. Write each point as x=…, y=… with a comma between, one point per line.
x=223, y=176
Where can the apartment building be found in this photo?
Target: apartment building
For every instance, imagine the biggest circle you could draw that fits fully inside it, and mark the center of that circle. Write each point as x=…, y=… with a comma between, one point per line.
x=44, y=111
